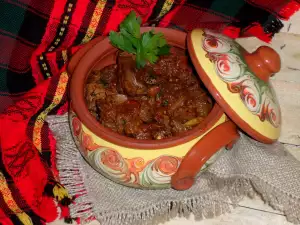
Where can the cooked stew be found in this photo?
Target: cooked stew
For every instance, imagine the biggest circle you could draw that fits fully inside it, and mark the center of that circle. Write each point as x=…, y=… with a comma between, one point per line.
x=155, y=102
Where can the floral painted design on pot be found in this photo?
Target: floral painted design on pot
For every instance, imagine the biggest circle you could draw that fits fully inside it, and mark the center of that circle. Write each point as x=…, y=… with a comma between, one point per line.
x=239, y=81
x=134, y=170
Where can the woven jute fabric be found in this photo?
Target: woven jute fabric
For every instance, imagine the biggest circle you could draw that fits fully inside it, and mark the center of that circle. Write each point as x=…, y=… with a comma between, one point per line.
x=250, y=168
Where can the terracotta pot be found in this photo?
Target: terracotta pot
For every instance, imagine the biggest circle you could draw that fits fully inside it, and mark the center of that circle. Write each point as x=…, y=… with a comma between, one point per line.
x=152, y=164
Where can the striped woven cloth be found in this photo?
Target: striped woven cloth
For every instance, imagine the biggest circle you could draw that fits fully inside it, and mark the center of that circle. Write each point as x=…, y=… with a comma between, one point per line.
x=37, y=38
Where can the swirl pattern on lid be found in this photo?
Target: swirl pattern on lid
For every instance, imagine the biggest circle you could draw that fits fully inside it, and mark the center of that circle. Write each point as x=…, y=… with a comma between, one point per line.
x=257, y=95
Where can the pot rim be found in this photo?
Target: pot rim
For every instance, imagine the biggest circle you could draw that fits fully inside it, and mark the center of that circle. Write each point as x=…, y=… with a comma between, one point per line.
x=97, y=53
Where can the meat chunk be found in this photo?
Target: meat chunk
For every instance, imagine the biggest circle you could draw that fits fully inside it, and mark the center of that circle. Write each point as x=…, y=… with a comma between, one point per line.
x=146, y=112
x=128, y=117
x=127, y=82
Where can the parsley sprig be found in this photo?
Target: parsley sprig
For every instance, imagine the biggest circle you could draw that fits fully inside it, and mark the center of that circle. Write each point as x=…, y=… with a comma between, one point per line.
x=147, y=46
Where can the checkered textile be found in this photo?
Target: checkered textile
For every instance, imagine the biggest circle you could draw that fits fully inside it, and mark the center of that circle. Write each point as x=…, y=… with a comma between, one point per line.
x=38, y=37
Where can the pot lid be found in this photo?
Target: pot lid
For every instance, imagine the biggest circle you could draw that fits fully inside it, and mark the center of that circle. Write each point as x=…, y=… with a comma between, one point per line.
x=239, y=81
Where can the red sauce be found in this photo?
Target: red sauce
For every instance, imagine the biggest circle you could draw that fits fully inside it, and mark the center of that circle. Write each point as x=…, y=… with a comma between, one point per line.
x=155, y=102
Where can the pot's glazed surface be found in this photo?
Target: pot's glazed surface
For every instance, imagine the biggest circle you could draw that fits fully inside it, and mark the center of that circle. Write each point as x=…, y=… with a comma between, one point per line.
x=151, y=164
x=139, y=168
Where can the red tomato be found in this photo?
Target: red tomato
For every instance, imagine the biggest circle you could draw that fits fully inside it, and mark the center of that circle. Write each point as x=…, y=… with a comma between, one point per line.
x=153, y=91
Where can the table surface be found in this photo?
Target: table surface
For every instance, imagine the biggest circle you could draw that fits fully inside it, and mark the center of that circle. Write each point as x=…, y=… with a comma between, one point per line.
x=287, y=86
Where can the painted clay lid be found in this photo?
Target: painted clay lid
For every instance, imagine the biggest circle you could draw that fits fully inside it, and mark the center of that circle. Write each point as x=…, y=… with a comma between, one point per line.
x=239, y=81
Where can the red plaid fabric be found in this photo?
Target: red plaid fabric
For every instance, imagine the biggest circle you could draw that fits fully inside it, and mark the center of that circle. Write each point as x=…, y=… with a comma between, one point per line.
x=37, y=38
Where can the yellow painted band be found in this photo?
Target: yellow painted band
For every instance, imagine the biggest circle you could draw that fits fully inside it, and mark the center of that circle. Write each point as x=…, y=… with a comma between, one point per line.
x=129, y=153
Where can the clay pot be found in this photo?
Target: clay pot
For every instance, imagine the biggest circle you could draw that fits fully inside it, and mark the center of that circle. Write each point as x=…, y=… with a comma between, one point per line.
x=149, y=164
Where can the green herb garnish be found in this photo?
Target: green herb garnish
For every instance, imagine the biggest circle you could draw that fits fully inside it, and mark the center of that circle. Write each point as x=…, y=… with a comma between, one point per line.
x=158, y=95
x=152, y=76
x=147, y=46
x=104, y=82
x=165, y=103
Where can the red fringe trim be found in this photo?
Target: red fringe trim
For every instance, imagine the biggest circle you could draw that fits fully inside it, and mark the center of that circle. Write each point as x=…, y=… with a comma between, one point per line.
x=65, y=211
x=290, y=9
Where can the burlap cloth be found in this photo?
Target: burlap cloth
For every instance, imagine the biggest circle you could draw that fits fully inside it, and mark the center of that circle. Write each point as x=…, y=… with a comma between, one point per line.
x=249, y=168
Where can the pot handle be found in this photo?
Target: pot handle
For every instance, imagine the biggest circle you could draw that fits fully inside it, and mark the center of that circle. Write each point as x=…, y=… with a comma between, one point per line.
x=224, y=134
